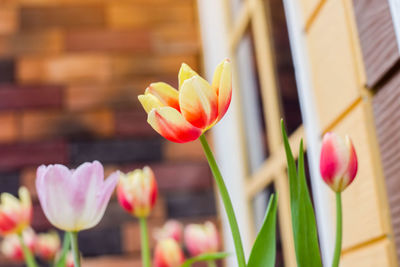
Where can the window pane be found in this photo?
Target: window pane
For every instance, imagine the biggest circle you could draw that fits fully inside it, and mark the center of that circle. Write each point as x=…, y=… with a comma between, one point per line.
x=250, y=96
x=284, y=65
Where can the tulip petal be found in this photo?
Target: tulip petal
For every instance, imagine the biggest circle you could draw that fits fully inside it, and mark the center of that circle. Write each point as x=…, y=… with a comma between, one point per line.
x=169, y=123
x=185, y=73
x=222, y=85
x=54, y=187
x=164, y=92
x=352, y=166
x=198, y=102
x=334, y=159
x=149, y=102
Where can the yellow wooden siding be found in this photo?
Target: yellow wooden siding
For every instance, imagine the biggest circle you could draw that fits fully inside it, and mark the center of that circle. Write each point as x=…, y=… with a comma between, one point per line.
x=334, y=74
x=373, y=255
x=361, y=211
x=308, y=7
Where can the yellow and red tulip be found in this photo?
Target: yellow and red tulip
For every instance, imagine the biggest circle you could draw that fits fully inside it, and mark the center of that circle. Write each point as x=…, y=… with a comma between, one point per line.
x=183, y=115
x=47, y=245
x=11, y=245
x=338, y=163
x=168, y=253
x=137, y=192
x=201, y=238
x=15, y=214
x=171, y=229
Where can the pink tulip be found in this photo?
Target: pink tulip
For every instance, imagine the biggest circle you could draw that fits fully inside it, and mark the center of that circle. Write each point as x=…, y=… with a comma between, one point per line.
x=74, y=200
x=70, y=260
x=338, y=164
x=15, y=214
x=171, y=229
x=201, y=238
x=47, y=245
x=168, y=253
x=11, y=245
x=137, y=192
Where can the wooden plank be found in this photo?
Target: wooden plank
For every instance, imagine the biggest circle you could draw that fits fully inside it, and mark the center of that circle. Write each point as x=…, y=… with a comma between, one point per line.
x=308, y=8
x=386, y=106
x=377, y=36
x=372, y=255
x=334, y=74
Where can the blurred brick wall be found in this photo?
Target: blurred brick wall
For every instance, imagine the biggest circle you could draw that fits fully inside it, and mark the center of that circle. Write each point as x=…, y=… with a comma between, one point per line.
x=70, y=73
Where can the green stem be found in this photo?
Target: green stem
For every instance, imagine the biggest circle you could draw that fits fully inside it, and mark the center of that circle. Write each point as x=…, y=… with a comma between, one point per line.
x=73, y=237
x=29, y=259
x=226, y=200
x=144, y=237
x=338, y=245
x=211, y=264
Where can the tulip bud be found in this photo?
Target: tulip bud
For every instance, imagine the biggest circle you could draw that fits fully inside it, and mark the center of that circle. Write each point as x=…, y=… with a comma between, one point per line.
x=137, y=192
x=11, y=245
x=200, y=239
x=338, y=164
x=70, y=260
x=47, y=245
x=168, y=253
x=171, y=229
x=15, y=214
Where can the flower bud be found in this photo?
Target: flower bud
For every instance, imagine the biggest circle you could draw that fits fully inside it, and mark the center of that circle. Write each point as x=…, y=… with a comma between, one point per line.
x=168, y=253
x=137, y=192
x=11, y=245
x=201, y=238
x=338, y=164
x=171, y=229
x=15, y=214
x=47, y=245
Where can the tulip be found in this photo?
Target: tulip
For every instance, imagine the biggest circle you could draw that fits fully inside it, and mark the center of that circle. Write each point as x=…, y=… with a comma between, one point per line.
x=182, y=116
x=338, y=164
x=70, y=260
x=168, y=253
x=201, y=238
x=47, y=245
x=11, y=245
x=74, y=200
x=171, y=229
x=137, y=192
x=15, y=215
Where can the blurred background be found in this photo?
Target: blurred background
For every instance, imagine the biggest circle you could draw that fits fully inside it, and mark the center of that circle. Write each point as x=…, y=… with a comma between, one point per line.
x=71, y=70
x=70, y=73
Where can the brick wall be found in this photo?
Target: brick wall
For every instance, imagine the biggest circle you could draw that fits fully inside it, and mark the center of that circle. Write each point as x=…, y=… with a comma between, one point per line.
x=70, y=73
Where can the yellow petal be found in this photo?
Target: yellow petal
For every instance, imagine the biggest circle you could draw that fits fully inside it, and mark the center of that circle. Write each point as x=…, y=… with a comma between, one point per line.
x=24, y=196
x=222, y=85
x=167, y=94
x=149, y=102
x=9, y=202
x=185, y=73
x=198, y=102
x=169, y=123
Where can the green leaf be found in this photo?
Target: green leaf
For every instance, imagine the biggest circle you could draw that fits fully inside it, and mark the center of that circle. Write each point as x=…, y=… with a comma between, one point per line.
x=62, y=258
x=205, y=257
x=264, y=248
x=303, y=218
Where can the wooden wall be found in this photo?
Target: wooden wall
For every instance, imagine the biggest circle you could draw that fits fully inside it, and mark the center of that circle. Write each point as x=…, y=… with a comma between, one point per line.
x=381, y=54
x=340, y=85
x=70, y=73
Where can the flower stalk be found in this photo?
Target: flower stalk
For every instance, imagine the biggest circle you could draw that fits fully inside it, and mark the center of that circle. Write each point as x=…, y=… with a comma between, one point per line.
x=73, y=236
x=226, y=200
x=339, y=230
x=145, y=242
x=28, y=256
